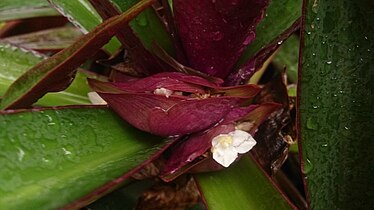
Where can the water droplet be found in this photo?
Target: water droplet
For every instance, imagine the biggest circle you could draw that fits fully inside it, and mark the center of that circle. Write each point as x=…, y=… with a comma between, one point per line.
x=346, y=128
x=311, y=123
x=329, y=62
x=142, y=21
x=217, y=36
x=309, y=33
x=308, y=166
x=324, y=145
x=280, y=42
x=314, y=54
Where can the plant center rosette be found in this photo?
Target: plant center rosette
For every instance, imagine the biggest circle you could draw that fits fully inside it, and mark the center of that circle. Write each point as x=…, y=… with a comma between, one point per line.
x=213, y=123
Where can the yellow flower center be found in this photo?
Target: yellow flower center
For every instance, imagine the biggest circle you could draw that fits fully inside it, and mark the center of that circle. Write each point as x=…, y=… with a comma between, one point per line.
x=225, y=140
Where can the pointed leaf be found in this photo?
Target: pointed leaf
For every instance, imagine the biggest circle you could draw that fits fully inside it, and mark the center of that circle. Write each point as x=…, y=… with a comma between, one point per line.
x=241, y=186
x=192, y=108
x=274, y=24
x=336, y=103
x=215, y=33
x=16, y=61
x=287, y=57
x=270, y=33
x=52, y=157
x=54, y=73
x=83, y=15
x=51, y=39
x=17, y=9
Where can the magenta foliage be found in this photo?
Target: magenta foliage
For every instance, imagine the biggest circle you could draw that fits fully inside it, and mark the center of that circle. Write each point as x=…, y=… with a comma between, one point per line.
x=194, y=104
x=214, y=33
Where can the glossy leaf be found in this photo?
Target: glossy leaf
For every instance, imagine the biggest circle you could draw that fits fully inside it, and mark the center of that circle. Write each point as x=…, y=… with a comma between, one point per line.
x=16, y=61
x=17, y=9
x=287, y=57
x=53, y=157
x=150, y=105
x=215, y=33
x=51, y=39
x=54, y=74
x=148, y=26
x=83, y=15
x=241, y=186
x=273, y=25
x=336, y=104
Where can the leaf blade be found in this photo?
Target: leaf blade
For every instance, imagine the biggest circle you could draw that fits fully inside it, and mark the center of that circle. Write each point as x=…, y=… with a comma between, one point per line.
x=242, y=186
x=55, y=72
x=17, y=9
x=67, y=153
x=335, y=117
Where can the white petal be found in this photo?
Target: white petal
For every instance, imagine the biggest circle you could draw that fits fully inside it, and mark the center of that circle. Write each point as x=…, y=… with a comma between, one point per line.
x=225, y=156
x=96, y=99
x=163, y=91
x=242, y=141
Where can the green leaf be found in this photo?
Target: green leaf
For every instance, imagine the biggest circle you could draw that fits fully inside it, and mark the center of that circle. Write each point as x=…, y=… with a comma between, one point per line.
x=15, y=61
x=17, y=9
x=336, y=104
x=51, y=158
x=148, y=27
x=124, y=198
x=241, y=186
x=280, y=15
x=287, y=57
x=84, y=16
x=50, y=39
x=54, y=73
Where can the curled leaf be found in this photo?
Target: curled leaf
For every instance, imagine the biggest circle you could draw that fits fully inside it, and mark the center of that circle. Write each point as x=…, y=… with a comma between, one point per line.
x=170, y=104
x=186, y=154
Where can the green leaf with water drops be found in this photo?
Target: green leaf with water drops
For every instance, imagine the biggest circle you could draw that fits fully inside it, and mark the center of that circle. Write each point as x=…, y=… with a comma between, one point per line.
x=273, y=25
x=55, y=73
x=15, y=61
x=287, y=57
x=336, y=103
x=241, y=186
x=84, y=16
x=148, y=26
x=17, y=9
x=51, y=158
x=53, y=39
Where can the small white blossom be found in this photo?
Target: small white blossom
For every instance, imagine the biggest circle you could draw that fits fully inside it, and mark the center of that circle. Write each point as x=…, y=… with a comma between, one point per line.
x=163, y=91
x=225, y=147
x=96, y=99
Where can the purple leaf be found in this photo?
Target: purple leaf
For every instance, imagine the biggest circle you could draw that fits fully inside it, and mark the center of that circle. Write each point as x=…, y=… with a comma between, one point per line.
x=215, y=33
x=245, y=71
x=185, y=154
x=191, y=105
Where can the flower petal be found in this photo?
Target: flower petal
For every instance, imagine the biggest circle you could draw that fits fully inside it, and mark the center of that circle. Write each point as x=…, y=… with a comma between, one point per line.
x=242, y=141
x=225, y=156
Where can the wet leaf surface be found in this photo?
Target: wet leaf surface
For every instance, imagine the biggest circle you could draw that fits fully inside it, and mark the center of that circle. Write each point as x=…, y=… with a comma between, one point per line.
x=55, y=73
x=335, y=112
x=242, y=186
x=50, y=158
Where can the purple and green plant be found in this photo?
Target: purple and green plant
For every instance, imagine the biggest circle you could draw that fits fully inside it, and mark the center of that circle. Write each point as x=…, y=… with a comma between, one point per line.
x=180, y=111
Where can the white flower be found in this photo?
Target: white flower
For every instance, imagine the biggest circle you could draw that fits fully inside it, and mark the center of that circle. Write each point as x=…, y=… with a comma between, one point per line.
x=163, y=91
x=225, y=147
x=96, y=99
